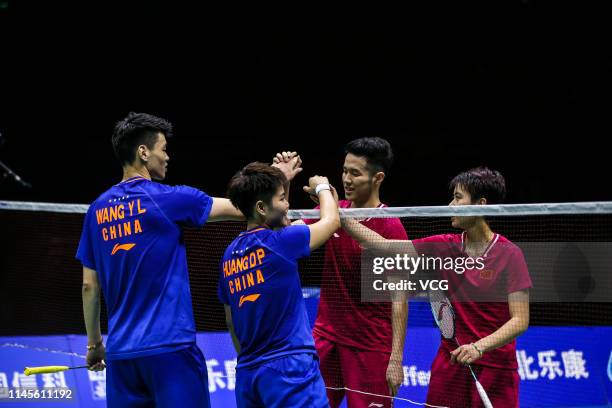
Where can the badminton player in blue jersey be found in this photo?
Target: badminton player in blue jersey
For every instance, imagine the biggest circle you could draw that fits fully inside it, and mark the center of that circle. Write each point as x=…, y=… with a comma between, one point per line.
x=260, y=287
x=132, y=248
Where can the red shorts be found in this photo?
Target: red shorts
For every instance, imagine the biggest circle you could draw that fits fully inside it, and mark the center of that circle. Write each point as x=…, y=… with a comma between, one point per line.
x=348, y=367
x=452, y=385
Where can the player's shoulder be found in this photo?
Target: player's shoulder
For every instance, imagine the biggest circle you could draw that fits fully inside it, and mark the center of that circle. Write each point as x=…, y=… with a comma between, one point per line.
x=452, y=237
x=239, y=243
x=105, y=199
x=231, y=248
x=161, y=188
x=392, y=222
x=505, y=243
x=343, y=204
x=280, y=233
x=157, y=189
x=377, y=223
x=504, y=239
x=249, y=237
x=119, y=192
x=282, y=238
x=135, y=186
x=441, y=238
x=391, y=228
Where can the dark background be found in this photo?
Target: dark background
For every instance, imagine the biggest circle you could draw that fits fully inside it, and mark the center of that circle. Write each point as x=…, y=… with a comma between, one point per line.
x=521, y=86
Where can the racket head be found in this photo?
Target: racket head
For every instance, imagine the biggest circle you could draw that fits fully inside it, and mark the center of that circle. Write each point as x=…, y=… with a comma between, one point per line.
x=443, y=313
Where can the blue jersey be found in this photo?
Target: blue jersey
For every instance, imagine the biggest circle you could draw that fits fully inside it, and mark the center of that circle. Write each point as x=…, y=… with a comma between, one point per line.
x=260, y=282
x=132, y=236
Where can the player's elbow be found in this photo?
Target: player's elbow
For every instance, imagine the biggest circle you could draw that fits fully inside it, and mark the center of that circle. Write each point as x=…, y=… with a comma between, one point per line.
x=333, y=222
x=331, y=225
x=90, y=287
x=522, y=325
x=337, y=224
x=525, y=325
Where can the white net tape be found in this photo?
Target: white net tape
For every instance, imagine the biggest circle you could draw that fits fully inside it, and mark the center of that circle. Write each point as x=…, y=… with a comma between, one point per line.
x=603, y=207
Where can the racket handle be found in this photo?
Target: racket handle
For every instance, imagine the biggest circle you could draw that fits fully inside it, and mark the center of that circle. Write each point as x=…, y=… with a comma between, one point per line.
x=483, y=395
x=44, y=370
x=48, y=369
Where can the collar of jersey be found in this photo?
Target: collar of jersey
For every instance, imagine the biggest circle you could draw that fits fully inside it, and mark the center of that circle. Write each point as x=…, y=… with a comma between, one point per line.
x=252, y=230
x=132, y=179
x=487, y=249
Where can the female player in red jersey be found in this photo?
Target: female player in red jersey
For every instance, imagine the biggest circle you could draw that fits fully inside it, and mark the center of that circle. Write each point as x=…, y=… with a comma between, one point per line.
x=490, y=298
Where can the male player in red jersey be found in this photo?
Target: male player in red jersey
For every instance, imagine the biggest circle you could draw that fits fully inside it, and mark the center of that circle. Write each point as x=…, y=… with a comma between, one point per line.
x=491, y=302
x=360, y=344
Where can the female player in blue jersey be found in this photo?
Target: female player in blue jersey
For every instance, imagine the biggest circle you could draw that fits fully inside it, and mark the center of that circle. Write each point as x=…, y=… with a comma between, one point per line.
x=260, y=287
x=132, y=248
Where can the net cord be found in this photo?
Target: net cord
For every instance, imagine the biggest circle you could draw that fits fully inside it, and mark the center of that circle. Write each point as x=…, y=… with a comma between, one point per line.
x=602, y=207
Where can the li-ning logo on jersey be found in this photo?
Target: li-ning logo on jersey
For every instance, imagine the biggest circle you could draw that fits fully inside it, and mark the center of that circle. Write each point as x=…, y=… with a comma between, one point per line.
x=248, y=298
x=373, y=404
x=125, y=247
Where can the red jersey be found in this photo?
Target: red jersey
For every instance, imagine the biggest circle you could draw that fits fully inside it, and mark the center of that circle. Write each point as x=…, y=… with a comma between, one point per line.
x=480, y=296
x=342, y=316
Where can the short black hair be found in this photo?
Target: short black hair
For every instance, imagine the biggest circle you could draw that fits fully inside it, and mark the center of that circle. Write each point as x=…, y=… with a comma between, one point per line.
x=376, y=150
x=256, y=181
x=482, y=182
x=135, y=130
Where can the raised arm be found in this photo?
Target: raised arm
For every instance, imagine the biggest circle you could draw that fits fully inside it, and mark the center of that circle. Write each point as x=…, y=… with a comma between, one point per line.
x=329, y=222
x=223, y=210
x=290, y=163
x=370, y=239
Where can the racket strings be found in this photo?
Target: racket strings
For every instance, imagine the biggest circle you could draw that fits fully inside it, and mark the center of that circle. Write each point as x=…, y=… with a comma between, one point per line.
x=443, y=313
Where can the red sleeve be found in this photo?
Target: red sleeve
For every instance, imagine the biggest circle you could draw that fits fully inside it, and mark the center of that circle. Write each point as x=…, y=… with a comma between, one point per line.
x=517, y=274
x=394, y=230
x=435, y=245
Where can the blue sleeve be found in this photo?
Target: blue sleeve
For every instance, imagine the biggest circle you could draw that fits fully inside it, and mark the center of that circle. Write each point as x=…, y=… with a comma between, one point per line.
x=85, y=252
x=185, y=205
x=294, y=241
